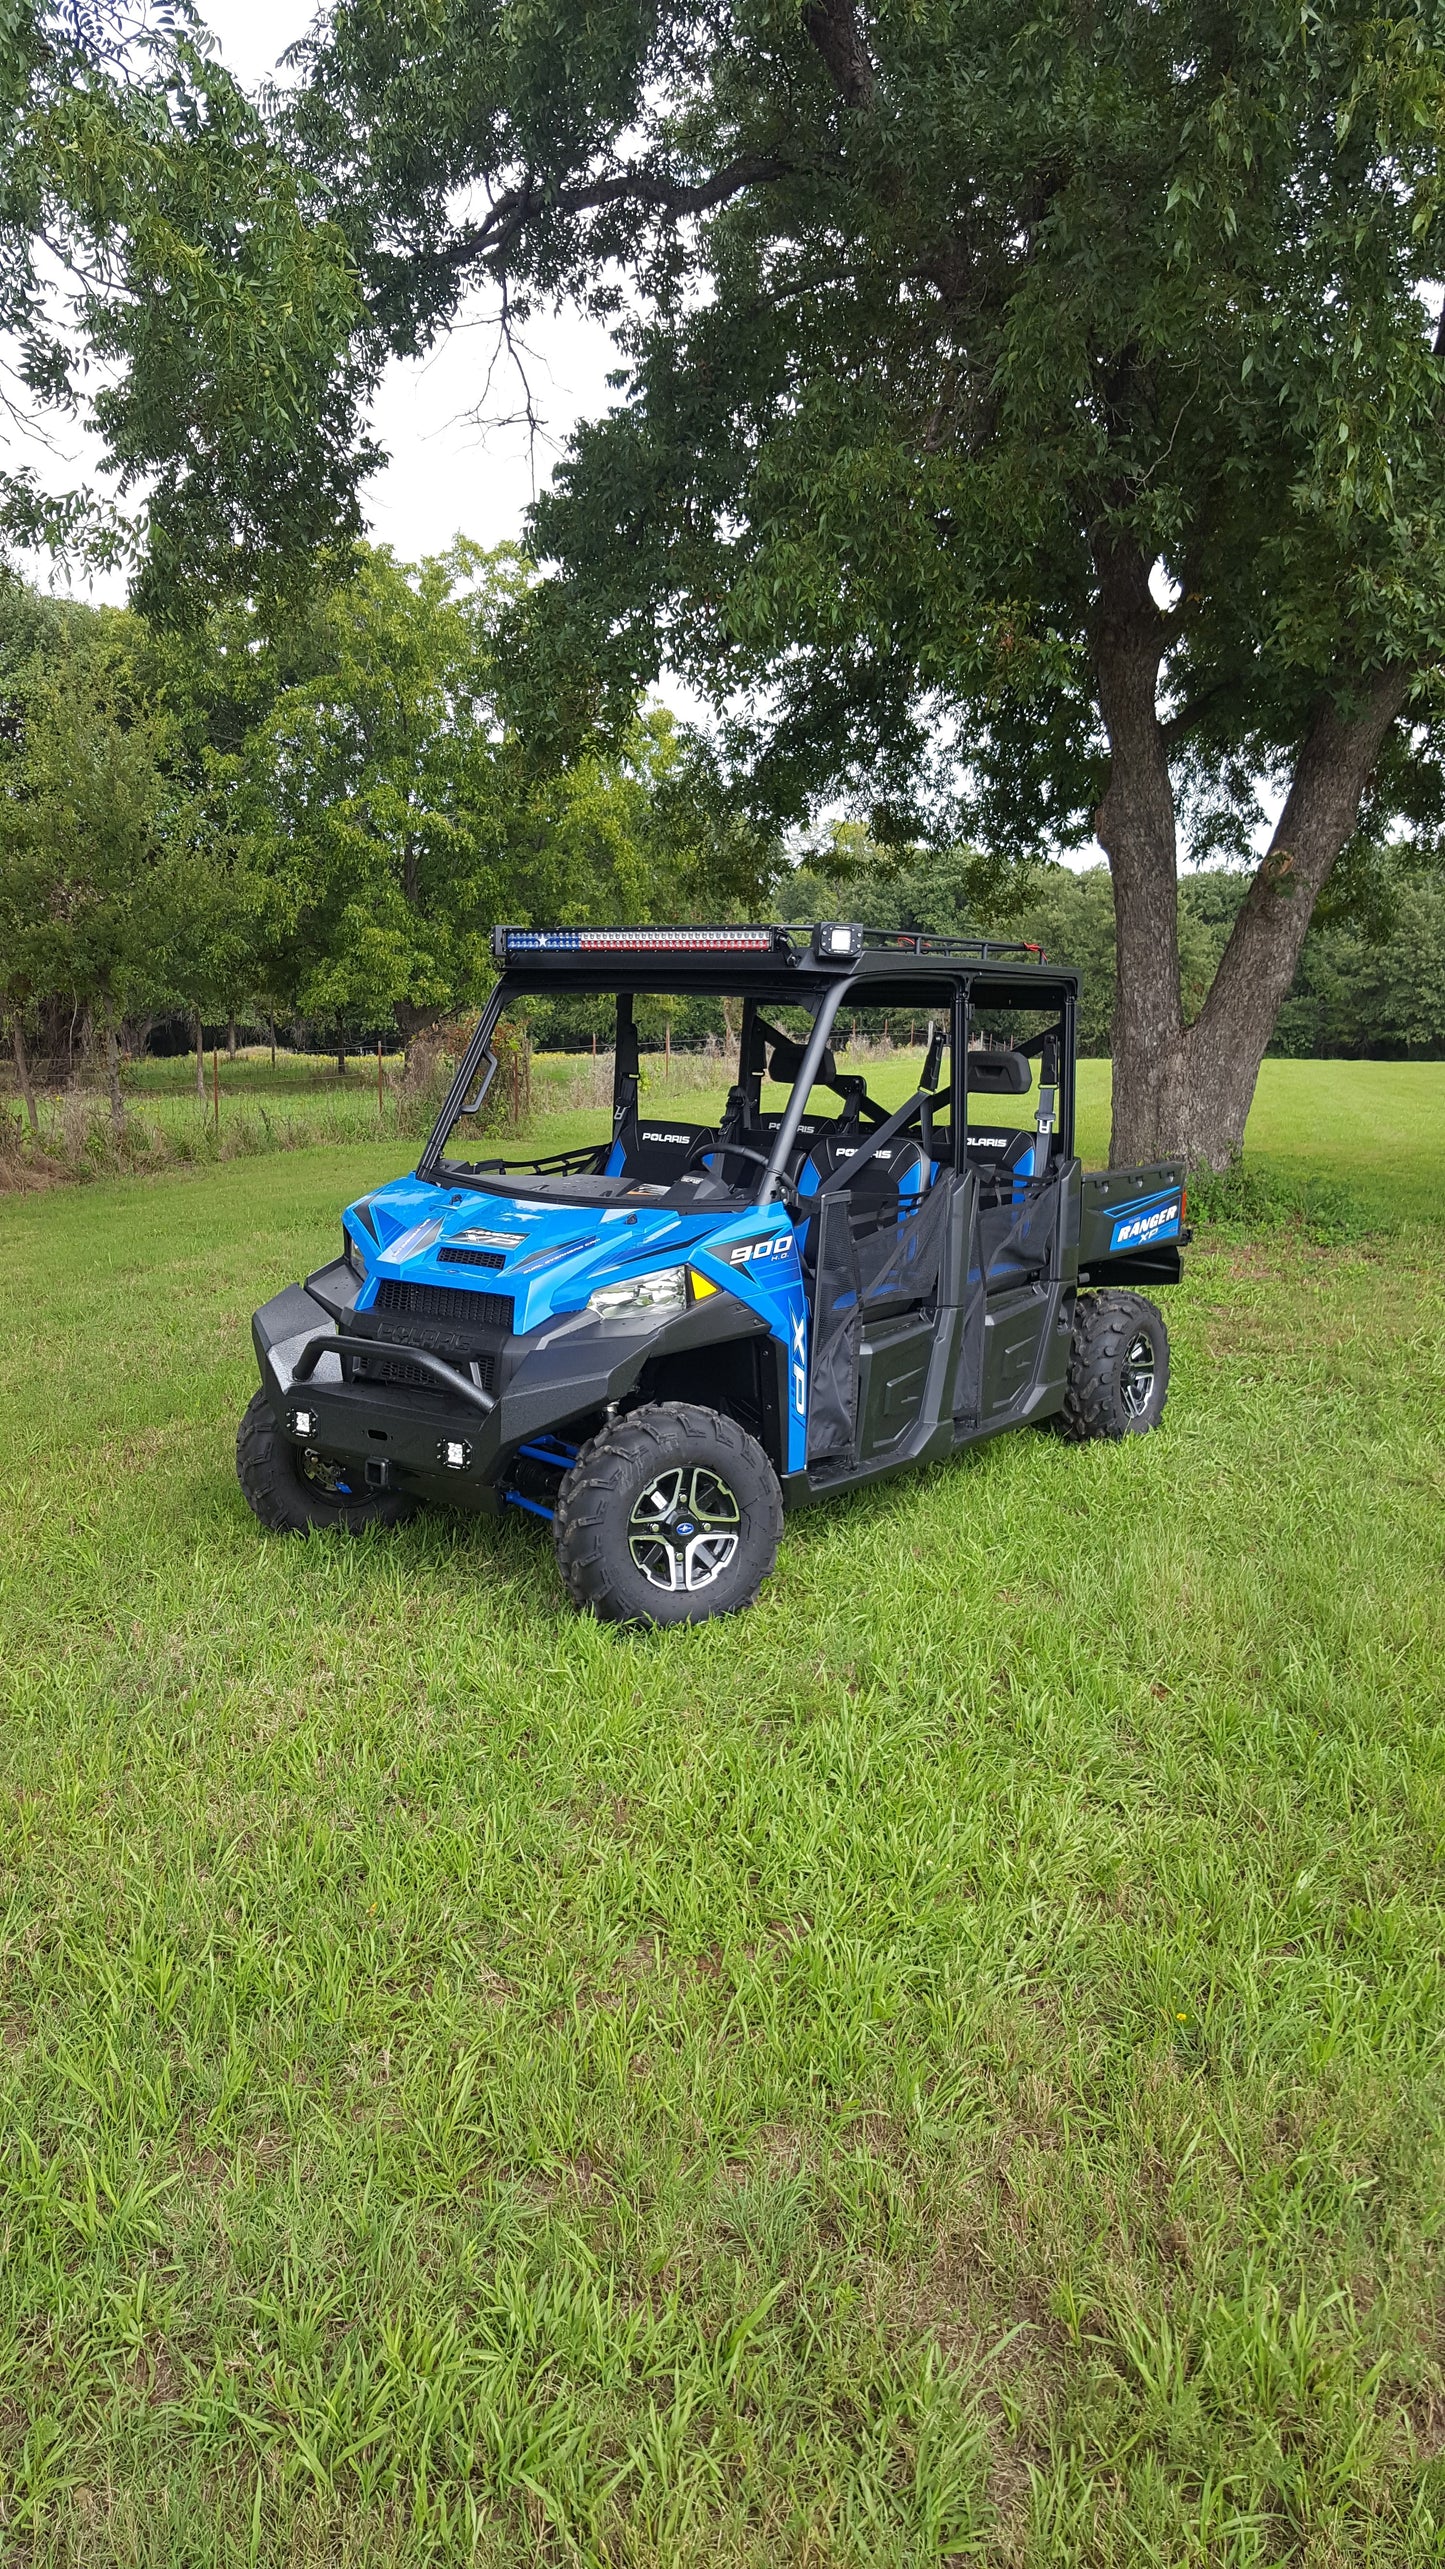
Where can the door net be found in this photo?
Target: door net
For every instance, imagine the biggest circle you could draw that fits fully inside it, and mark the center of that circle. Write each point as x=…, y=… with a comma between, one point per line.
x=871, y=1261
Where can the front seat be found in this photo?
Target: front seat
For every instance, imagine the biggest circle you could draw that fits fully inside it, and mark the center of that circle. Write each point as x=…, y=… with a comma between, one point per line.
x=889, y=1185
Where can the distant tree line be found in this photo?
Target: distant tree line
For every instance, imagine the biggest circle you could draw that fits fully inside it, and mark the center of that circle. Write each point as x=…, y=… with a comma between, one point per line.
x=1371, y=978
x=311, y=817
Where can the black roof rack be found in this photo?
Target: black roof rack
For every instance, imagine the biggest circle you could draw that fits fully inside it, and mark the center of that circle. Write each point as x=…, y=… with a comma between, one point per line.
x=836, y=943
x=976, y=949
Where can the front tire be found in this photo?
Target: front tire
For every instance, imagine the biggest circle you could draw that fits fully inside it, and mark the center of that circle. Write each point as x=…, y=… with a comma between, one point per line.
x=294, y=1493
x=670, y=1515
x=1118, y=1368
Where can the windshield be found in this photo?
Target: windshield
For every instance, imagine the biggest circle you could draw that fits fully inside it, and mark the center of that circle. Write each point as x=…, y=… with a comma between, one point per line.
x=651, y=1097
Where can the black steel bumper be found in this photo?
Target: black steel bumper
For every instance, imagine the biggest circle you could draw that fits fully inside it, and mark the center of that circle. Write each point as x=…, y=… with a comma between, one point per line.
x=567, y=1371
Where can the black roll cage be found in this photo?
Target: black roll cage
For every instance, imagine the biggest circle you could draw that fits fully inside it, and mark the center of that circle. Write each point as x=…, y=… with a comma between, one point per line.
x=996, y=982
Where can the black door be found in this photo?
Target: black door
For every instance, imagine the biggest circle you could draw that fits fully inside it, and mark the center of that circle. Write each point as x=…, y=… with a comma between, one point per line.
x=1012, y=1348
x=876, y=1287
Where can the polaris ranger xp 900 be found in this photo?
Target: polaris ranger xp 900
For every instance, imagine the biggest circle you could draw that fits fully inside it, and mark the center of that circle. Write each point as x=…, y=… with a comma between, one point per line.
x=661, y=1340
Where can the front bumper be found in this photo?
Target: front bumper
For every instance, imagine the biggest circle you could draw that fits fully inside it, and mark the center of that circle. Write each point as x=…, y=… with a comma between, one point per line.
x=554, y=1378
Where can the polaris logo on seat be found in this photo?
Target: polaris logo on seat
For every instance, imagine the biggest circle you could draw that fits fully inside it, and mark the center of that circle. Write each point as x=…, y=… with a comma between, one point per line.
x=1147, y=1225
x=654, y=1133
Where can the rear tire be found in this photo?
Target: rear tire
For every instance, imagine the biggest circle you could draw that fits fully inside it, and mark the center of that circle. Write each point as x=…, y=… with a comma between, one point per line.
x=1118, y=1368
x=293, y=1493
x=670, y=1515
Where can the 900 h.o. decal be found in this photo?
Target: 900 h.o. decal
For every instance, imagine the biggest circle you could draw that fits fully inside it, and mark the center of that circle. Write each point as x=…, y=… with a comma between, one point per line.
x=771, y=1244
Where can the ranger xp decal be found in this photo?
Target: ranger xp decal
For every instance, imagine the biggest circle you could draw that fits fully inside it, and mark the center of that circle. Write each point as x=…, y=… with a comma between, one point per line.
x=1142, y=1224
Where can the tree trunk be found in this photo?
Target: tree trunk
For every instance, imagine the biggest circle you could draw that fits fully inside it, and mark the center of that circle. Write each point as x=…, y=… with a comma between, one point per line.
x=1135, y=823
x=1226, y=1044
x=340, y=1064
x=22, y=1073
x=200, y=1057
x=1186, y=1093
x=231, y=1040
x=112, y=1078
x=80, y=1072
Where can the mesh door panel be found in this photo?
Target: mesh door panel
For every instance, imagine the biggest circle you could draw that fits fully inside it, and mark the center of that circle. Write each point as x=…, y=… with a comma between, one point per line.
x=869, y=1261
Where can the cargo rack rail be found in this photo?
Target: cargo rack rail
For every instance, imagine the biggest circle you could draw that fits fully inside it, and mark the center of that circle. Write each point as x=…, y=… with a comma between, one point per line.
x=792, y=941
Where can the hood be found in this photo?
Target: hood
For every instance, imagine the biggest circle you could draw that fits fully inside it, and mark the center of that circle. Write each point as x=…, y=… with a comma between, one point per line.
x=545, y=1257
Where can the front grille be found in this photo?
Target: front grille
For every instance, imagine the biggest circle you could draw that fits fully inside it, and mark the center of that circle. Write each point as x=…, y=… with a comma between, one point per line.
x=444, y=1302
x=395, y=1369
x=470, y=1258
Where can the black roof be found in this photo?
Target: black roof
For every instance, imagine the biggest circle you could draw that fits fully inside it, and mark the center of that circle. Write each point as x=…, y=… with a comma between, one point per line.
x=764, y=956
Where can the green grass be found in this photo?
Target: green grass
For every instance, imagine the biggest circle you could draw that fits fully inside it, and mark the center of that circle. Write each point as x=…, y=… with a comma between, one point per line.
x=1376, y=1127
x=945, y=2066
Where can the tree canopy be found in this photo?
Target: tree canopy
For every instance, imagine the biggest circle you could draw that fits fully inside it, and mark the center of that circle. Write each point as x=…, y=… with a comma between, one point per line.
x=166, y=271
x=319, y=813
x=1031, y=421
x=391, y=814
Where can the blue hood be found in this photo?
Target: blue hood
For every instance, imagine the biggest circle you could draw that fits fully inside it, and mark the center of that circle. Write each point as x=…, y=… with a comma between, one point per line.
x=547, y=1257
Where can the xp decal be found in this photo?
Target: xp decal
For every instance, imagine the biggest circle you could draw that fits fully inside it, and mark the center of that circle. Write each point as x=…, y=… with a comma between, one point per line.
x=1141, y=1224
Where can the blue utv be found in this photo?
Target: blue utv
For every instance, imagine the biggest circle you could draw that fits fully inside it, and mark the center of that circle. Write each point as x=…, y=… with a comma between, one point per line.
x=661, y=1340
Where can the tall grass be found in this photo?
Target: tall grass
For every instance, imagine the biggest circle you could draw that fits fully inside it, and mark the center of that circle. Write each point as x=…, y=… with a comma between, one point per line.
x=253, y=1108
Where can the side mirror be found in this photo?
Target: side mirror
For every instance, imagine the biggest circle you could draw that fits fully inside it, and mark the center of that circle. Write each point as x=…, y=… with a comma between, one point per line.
x=933, y=1059
x=994, y=1071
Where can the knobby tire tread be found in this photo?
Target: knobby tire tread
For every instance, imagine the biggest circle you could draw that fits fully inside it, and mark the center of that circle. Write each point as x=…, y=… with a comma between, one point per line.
x=1104, y=1325
x=667, y=1433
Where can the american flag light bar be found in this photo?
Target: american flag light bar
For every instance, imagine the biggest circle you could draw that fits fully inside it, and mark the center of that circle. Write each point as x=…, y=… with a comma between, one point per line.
x=518, y=941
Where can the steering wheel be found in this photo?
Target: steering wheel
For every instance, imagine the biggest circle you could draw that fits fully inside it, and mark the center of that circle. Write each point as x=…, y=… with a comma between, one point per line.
x=740, y=1151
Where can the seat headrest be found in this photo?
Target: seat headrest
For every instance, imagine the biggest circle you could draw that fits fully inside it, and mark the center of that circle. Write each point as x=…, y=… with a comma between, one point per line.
x=786, y=1062
x=884, y=1170
x=995, y=1070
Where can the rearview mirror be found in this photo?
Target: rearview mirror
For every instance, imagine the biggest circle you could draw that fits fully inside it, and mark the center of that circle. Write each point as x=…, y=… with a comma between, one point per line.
x=994, y=1071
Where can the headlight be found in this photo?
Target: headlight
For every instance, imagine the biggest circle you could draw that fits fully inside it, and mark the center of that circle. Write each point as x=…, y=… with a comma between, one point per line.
x=664, y=1290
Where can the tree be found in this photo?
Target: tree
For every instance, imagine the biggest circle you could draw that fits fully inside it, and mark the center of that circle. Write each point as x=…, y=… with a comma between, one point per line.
x=1371, y=977
x=163, y=268
x=1034, y=415
x=113, y=890
x=392, y=817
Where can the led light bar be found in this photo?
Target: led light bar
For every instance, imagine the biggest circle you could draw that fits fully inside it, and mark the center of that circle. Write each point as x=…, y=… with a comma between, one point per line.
x=517, y=941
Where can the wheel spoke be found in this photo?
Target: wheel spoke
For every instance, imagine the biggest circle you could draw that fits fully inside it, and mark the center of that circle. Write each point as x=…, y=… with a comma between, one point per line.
x=1138, y=1375
x=684, y=1530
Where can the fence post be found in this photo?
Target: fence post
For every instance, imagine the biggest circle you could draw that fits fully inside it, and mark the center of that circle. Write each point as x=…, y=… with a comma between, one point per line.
x=216, y=1087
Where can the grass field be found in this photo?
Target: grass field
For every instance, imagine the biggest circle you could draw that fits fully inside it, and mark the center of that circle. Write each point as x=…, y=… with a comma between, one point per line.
x=945, y=2067
x=1373, y=1123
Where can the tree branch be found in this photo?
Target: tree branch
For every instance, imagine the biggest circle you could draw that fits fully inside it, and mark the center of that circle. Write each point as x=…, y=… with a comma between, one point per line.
x=647, y=187
x=1321, y=810
x=1177, y=728
x=832, y=27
